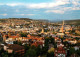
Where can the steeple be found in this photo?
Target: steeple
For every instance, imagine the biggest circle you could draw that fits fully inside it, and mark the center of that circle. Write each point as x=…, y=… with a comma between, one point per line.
x=63, y=22
x=42, y=30
x=63, y=26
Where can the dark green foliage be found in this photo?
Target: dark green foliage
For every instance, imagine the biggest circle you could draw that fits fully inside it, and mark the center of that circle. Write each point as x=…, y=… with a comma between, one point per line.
x=19, y=43
x=38, y=50
x=78, y=52
x=51, y=54
x=15, y=42
x=23, y=34
x=30, y=53
x=26, y=47
x=72, y=51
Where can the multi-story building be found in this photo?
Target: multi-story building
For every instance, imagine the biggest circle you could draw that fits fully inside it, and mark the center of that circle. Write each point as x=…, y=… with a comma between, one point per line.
x=60, y=52
x=15, y=48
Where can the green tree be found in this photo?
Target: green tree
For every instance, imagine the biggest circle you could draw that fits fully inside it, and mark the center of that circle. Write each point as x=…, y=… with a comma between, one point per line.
x=55, y=45
x=23, y=34
x=26, y=47
x=52, y=40
x=19, y=43
x=46, y=41
x=65, y=43
x=38, y=50
x=78, y=52
x=51, y=50
x=72, y=50
x=44, y=50
x=30, y=53
x=15, y=42
x=51, y=54
x=5, y=54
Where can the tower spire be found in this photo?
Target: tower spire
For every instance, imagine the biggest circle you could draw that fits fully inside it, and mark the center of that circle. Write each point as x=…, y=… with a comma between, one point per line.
x=63, y=22
x=63, y=26
x=42, y=30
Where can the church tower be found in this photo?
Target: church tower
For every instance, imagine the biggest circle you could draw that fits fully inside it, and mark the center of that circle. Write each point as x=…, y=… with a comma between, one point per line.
x=61, y=32
x=63, y=27
x=42, y=30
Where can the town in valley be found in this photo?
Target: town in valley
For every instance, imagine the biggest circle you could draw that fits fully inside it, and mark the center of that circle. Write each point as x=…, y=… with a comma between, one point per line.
x=24, y=37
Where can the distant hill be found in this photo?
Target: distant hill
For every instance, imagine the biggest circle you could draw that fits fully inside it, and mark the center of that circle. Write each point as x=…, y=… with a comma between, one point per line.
x=4, y=20
x=26, y=19
x=16, y=20
x=21, y=18
x=75, y=22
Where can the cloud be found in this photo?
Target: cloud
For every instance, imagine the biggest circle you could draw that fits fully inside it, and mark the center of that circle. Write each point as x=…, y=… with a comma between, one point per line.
x=38, y=5
x=62, y=10
x=17, y=10
x=4, y=14
x=76, y=8
x=47, y=5
x=1, y=4
x=25, y=14
x=14, y=4
x=76, y=2
x=74, y=5
x=55, y=11
x=59, y=10
x=71, y=8
x=59, y=6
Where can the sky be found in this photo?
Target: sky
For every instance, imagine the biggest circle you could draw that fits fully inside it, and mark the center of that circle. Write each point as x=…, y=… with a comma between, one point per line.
x=40, y=9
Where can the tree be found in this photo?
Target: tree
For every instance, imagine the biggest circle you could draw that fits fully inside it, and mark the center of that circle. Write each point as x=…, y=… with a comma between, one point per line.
x=26, y=47
x=44, y=49
x=33, y=47
x=30, y=53
x=51, y=54
x=38, y=50
x=52, y=40
x=55, y=45
x=71, y=51
x=23, y=34
x=65, y=43
x=51, y=50
x=16, y=54
x=19, y=43
x=15, y=42
x=78, y=52
x=5, y=54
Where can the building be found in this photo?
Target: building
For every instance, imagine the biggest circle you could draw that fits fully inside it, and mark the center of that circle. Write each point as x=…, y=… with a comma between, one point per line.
x=61, y=32
x=78, y=31
x=60, y=52
x=15, y=48
x=42, y=30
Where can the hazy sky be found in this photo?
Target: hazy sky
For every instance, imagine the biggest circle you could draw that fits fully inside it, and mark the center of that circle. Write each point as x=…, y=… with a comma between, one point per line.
x=40, y=9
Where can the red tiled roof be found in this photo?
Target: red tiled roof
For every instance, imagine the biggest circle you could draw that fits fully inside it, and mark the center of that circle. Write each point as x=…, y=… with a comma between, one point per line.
x=13, y=36
x=34, y=44
x=15, y=47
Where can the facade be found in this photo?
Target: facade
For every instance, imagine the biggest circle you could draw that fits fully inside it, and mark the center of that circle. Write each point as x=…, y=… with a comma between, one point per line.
x=15, y=48
x=60, y=52
x=61, y=32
